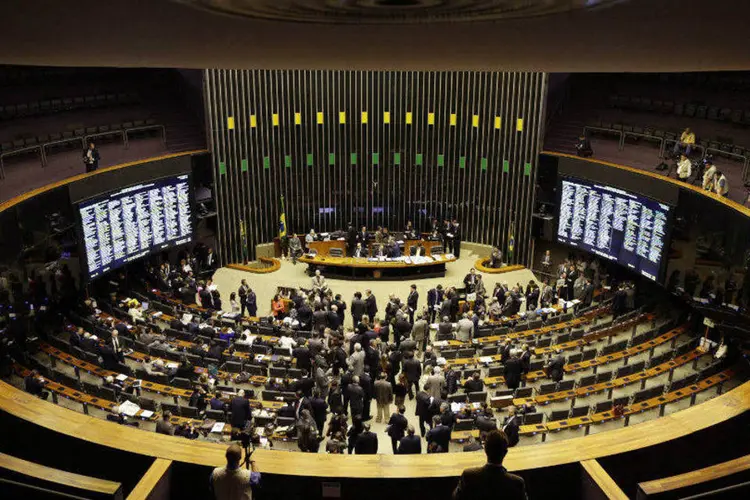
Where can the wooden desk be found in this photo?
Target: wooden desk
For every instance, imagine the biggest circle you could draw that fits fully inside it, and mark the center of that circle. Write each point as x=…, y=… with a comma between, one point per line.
x=676, y=425
x=693, y=478
x=324, y=247
x=351, y=267
x=61, y=477
x=481, y=265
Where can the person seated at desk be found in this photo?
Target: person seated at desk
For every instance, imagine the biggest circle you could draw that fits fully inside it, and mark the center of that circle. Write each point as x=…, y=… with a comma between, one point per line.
x=435, y=236
x=216, y=402
x=686, y=142
x=379, y=251
x=157, y=367
x=310, y=237
x=445, y=329
x=409, y=232
x=34, y=384
x=474, y=384
x=379, y=236
x=394, y=250
x=359, y=251
x=485, y=421
x=418, y=250
x=496, y=258
x=295, y=247
x=319, y=283
x=135, y=312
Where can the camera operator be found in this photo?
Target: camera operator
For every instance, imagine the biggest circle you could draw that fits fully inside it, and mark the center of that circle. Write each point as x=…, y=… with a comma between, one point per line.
x=232, y=482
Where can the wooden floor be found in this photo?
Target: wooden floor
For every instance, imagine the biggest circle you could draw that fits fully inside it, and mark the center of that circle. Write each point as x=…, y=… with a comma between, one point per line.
x=51, y=416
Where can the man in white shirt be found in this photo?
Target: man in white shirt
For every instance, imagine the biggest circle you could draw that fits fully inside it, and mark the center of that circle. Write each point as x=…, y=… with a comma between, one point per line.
x=287, y=342
x=684, y=168
x=722, y=185
x=709, y=176
x=310, y=237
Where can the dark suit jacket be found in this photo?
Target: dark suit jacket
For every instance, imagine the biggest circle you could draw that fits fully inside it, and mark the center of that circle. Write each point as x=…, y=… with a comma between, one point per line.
x=412, y=369
x=512, y=373
x=440, y=434
x=398, y=425
x=490, y=481
x=556, y=366
x=372, y=305
x=511, y=430
x=356, y=399
x=412, y=300
x=240, y=408
x=410, y=445
x=358, y=308
x=367, y=444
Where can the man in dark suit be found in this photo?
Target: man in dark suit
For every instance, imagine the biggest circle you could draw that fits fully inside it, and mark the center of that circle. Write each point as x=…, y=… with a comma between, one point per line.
x=434, y=297
x=252, y=303
x=440, y=434
x=362, y=237
x=358, y=309
x=474, y=384
x=116, y=345
x=456, y=229
x=512, y=372
x=410, y=444
x=304, y=359
x=356, y=397
x=164, y=426
x=212, y=261
x=371, y=305
x=91, y=158
x=397, y=427
x=510, y=428
x=241, y=413
x=319, y=411
x=470, y=281
x=367, y=442
x=588, y=294
x=486, y=421
x=411, y=302
x=556, y=366
x=34, y=386
x=413, y=370
x=491, y=480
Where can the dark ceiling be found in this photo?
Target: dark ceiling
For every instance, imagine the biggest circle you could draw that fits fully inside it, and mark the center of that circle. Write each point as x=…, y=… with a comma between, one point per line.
x=631, y=35
x=393, y=11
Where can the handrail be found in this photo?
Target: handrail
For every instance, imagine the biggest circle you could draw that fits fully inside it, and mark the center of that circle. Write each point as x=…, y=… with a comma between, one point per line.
x=57, y=476
x=676, y=425
x=480, y=266
x=23, y=197
x=694, y=477
x=721, y=199
x=272, y=265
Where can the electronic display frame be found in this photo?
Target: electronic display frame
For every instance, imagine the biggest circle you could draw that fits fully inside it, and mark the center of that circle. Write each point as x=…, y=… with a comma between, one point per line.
x=620, y=255
x=86, y=274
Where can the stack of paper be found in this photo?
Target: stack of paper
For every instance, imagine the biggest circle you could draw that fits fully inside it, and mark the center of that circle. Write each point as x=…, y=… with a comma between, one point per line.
x=485, y=359
x=129, y=408
x=122, y=377
x=218, y=427
x=147, y=414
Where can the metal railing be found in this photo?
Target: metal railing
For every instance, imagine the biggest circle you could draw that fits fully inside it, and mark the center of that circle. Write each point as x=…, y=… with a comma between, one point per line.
x=664, y=142
x=123, y=133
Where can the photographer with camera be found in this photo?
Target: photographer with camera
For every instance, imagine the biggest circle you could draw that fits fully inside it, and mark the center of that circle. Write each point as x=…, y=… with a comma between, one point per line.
x=232, y=482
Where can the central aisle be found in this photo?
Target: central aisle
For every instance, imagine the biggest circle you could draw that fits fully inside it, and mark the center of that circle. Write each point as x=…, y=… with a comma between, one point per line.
x=290, y=275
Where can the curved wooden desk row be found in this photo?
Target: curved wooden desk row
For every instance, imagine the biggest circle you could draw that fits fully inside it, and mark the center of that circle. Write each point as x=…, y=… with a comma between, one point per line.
x=694, y=478
x=271, y=265
x=533, y=333
x=580, y=320
x=481, y=266
x=653, y=432
x=600, y=361
x=609, y=385
x=61, y=477
x=649, y=404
